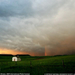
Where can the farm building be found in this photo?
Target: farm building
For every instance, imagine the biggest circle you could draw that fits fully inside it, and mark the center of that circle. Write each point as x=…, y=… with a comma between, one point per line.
x=16, y=58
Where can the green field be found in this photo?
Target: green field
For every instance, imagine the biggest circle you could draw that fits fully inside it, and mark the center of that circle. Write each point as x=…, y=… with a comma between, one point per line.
x=48, y=64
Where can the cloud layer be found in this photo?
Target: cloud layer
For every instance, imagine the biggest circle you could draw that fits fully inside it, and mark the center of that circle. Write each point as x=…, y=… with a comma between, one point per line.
x=38, y=27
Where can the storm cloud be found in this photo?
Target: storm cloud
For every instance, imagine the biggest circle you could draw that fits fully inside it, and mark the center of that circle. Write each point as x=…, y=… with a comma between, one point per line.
x=38, y=27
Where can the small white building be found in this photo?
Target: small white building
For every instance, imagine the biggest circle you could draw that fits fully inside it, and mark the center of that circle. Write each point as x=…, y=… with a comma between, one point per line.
x=16, y=58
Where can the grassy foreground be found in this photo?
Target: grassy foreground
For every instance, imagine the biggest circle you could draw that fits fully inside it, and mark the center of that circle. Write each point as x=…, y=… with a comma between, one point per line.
x=47, y=64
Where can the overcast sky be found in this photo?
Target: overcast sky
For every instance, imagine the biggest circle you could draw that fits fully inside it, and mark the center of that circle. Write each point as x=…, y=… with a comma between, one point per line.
x=37, y=27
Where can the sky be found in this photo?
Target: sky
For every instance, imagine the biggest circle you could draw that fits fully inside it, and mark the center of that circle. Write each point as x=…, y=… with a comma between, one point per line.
x=37, y=27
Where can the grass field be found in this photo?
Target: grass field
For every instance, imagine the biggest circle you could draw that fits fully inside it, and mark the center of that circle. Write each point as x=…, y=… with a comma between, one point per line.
x=46, y=64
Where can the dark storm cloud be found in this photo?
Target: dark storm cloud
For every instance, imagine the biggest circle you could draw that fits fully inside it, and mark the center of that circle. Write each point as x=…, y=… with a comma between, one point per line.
x=15, y=8
x=27, y=8
x=38, y=27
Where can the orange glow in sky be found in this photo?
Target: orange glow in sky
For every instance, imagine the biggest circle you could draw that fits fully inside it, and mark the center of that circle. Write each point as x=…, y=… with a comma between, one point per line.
x=14, y=52
x=8, y=51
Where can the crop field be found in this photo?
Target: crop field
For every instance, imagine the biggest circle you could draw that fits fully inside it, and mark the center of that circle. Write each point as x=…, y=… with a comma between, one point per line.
x=38, y=65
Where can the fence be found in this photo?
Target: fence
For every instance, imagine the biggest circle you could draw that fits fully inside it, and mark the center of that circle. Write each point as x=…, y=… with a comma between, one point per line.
x=31, y=64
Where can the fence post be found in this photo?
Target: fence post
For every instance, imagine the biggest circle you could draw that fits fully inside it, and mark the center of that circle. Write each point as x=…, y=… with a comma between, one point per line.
x=7, y=63
x=30, y=64
x=63, y=63
x=0, y=67
x=15, y=62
